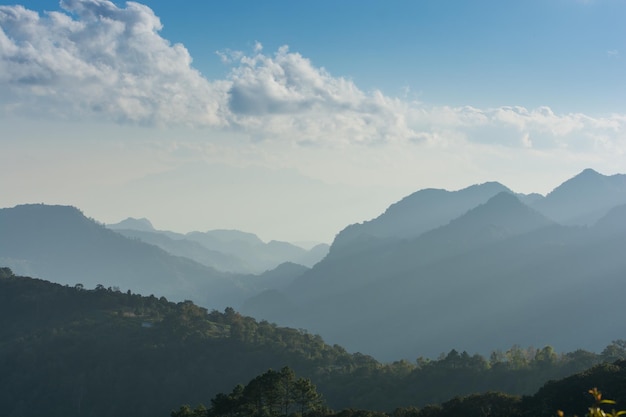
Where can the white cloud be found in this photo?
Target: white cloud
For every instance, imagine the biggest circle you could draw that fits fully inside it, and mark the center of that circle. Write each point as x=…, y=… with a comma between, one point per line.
x=96, y=59
x=101, y=60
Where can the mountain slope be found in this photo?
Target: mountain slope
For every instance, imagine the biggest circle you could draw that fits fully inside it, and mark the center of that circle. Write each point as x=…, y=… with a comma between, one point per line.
x=419, y=212
x=502, y=274
x=60, y=244
x=585, y=198
x=70, y=352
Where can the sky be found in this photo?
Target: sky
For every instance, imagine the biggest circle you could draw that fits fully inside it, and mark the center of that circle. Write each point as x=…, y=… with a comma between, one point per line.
x=294, y=119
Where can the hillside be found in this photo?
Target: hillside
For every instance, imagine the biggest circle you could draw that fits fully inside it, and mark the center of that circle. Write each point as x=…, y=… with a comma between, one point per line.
x=66, y=351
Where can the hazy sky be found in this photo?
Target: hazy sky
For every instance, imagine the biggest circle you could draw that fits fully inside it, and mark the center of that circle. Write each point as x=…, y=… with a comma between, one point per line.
x=293, y=119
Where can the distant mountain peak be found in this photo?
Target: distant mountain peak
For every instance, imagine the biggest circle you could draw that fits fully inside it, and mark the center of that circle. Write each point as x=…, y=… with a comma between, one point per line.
x=504, y=197
x=503, y=210
x=489, y=185
x=589, y=172
x=419, y=212
x=587, y=177
x=142, y=224
x=585, y=198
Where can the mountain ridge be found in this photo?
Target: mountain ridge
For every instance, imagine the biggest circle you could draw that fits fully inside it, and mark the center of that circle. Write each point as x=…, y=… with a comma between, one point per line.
x=501, y=260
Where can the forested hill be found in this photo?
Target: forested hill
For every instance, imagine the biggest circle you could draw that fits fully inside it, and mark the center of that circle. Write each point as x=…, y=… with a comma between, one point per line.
x=70, y=351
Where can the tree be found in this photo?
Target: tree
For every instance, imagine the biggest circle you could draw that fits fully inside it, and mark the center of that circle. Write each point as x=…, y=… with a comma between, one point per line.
x=6, y=272
x=270, y=394
x=306, y=396
x=287, y=380
x=545, y=357
x=615, y=351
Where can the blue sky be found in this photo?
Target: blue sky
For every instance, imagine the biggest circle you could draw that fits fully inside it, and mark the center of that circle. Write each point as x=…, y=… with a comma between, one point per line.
x=489, y=53
x=293, y=119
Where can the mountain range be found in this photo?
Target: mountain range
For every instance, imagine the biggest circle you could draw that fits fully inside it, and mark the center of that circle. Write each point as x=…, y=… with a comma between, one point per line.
x=478, y=269
x=501, y=273
x=226, y=250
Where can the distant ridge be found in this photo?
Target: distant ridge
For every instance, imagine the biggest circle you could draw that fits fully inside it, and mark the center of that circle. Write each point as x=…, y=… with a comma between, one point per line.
x=131, y=223
x=419, y=212
x=501, y=272
x=226, y=250
x=479, y=268
x=584, y=199
x=60, y=244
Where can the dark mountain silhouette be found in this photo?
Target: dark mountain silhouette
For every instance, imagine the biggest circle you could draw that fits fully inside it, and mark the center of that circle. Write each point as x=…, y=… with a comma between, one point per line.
x=501, y=217
x=498, y=275
x=60, y=244
x=225, y=250
x=415, y=214
x=584, y=199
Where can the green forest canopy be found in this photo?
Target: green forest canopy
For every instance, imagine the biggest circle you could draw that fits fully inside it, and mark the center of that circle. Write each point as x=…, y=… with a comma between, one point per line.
x=68, y=351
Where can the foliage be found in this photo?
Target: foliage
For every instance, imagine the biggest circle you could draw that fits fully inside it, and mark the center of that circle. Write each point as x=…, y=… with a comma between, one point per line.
x=598, y=407
x=71, y=351
x=271, y=394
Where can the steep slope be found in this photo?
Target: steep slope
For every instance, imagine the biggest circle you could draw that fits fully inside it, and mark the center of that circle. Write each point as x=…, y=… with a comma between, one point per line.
x=417, y=213
x=501, y=217
x=502, y=274
x=70, y=352
x=585, y=198
x=60, y=244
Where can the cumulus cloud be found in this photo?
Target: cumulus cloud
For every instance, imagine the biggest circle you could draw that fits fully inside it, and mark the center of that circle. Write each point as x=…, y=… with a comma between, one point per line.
x=95, y=58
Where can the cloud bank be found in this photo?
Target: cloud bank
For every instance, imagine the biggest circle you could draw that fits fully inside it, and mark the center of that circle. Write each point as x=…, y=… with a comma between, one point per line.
x=96, y=59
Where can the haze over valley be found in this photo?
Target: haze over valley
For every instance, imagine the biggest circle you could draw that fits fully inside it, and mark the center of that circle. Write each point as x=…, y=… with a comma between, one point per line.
x=476, y=269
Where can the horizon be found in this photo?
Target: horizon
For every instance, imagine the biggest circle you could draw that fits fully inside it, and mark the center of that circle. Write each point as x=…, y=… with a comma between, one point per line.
x=292, y=121
x=305, y=244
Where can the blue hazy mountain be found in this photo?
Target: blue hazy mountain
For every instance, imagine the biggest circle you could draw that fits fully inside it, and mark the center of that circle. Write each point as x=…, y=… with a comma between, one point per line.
x=60, y=244
x=225, y=250
x=180, y=246
x=413, y=215
x=478, y=269
x=501, y=273
x=584, y=199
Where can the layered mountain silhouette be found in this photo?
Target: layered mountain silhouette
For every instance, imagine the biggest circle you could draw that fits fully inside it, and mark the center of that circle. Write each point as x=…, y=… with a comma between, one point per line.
x=500, y=273
x=225, y=250
x=60, y=244
x=584, y=199
x=416, y=214
x=478, y=269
